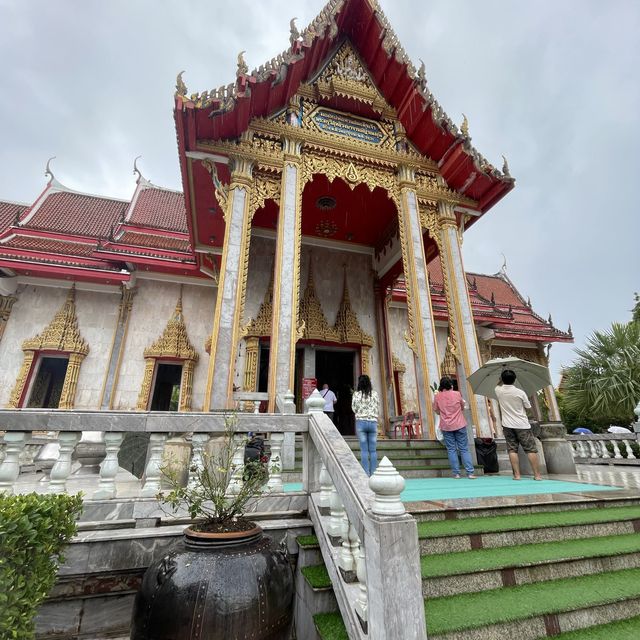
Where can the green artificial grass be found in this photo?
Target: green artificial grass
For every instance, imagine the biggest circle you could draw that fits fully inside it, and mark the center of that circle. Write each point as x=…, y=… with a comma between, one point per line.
x=330, y=626
x=317, y=576
x=449, y=564
x=497, y=606
x=307, y=541
x=539, y=520
x=622, y=630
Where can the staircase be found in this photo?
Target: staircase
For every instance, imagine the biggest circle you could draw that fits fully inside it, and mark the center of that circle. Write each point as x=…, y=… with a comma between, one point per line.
x=568, y=570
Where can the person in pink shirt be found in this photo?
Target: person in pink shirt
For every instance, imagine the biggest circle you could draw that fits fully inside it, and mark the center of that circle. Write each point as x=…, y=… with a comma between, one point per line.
x=449, y=404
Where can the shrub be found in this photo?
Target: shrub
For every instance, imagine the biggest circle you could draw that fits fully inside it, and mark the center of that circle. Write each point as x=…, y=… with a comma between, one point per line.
x=34, y=529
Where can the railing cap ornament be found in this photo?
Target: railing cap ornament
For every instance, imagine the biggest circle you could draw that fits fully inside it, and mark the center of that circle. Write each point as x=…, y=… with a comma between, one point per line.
x=387, y=484
x=315, y=402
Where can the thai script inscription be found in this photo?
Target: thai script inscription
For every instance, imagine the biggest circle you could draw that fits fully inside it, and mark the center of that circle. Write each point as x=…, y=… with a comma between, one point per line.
x=348, y=126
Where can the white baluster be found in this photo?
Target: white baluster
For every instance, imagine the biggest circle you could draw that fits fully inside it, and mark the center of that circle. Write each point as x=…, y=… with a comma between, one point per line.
x=630, y=455
x=362, y=601
x=348, y=555
x=153, y=471
x=28, y=454
x=237, y=464
x=593, y=449
x=109, y=466
x=604, y=451
x=335, y=528
x=61, y=469
x=387, y=484
x=345, y=556
x=616, y=450
x=275, y=463
x=256, y=406
x=10, y=467
x=198, y=442
x=324, y=498
x=583, y=449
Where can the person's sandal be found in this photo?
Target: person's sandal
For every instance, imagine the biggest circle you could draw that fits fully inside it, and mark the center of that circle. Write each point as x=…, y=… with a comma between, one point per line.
x=456, y=477
x=472, y=476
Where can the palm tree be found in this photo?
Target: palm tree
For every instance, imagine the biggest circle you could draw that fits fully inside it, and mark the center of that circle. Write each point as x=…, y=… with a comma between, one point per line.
x=603, y=383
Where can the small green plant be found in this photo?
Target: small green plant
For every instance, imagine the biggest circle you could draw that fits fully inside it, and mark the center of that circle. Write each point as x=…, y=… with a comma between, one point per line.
x=34, y=530
x=208, y=496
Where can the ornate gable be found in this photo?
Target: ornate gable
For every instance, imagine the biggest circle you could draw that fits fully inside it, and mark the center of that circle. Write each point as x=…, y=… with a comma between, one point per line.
x=312, y=319
x=347, y=325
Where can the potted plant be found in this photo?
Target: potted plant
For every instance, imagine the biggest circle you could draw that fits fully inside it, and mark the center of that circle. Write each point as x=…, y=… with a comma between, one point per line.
x=226, y=579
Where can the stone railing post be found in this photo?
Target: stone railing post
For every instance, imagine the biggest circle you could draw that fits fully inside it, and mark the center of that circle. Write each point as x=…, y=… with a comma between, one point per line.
x=558, y=452
x=275, y=463
x=326, y=487
x=237, y=463
x=109, y=466
x=362, y=601
x=153, y=470
x=335, y=528
x=61, y=469
x=289, y=441
x=198, y=441
x=10, y=467
x=391, y=565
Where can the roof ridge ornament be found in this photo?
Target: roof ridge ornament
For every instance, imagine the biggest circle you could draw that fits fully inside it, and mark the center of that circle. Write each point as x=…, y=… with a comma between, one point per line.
x=464, y=127
x=503, y=268
x=294, y=34
x=422, y=73
x=181, y=87
x=137, y=171
x=47, y=169
x=505, y=167
x=242, y=68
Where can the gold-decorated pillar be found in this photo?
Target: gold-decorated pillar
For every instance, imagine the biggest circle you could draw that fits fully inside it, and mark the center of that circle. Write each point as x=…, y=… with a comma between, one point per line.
x=145, y=390
x=422, y=332
x=286, y=290
x=231, y=286
x=21, y=381
x=186, y=386
x=250, y=382
x=460, y=312
x=6, y=304
x=70, y=386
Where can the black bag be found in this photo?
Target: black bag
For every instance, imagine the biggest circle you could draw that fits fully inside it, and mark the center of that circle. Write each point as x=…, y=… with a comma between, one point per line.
x=487, y=454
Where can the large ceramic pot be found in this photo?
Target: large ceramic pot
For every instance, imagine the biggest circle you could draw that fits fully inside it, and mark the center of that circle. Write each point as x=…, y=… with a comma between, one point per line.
x=227, y=586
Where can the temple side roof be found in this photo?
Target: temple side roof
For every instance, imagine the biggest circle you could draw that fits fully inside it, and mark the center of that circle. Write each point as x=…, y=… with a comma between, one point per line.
x=9, y=211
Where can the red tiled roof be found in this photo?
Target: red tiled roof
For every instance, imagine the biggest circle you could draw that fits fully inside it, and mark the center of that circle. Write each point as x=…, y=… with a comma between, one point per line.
x=50, y=246
x=160, y=209
x=77, y=214
x=153, y=241
x=8, y=213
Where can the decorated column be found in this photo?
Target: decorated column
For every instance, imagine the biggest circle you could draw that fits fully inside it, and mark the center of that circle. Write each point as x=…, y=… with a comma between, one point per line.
x=466, y=347
x=231, y=286
x=286, y=275
x=422, y=333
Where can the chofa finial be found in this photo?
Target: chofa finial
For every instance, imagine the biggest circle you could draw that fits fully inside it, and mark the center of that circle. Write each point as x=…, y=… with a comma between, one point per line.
x=549, y=320
x=242, y=69
x=294, y=34
x=137, y=171
x=422, y=72
x=464, y=127
x=505, y=167
x=503, y=268
x=181, y=87
x=569, y=330
x=47, y=170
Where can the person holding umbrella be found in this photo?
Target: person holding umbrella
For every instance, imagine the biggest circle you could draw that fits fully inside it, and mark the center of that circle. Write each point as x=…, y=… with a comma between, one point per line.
x=515, y=423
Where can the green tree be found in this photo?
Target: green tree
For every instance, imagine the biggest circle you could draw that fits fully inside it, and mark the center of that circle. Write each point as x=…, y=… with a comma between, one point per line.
x=603, y=383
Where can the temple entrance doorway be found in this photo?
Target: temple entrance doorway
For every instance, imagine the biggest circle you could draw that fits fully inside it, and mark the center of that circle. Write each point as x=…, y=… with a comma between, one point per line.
x=336, y=367
x=47, y=387
x=166, y=390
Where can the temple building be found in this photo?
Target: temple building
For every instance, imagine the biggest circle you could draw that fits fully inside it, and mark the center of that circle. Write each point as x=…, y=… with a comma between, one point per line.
x=326, y=196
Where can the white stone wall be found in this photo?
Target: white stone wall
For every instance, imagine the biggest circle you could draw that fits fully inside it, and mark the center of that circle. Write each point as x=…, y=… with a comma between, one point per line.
x=153, y=305
x=33, y=311
x=398, y=328
x=441, y=341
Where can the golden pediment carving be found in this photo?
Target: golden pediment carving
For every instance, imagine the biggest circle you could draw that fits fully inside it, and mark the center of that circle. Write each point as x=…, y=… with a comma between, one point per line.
x=312, y=316
x=261, y=324
x=347, y=325
x=174, y=341
x=62, y=334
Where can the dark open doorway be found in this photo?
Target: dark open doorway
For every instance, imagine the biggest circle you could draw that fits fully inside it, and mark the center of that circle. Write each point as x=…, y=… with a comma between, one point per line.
x=47, y=387
x=166, y=390
x=336, y=368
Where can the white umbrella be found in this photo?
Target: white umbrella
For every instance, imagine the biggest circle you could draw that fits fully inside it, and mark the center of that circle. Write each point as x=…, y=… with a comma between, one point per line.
x=614, y=429
x=530, y=377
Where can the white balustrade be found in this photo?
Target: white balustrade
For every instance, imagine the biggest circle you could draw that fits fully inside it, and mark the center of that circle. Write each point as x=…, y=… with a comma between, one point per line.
x=616, y=450
x=362, y=601
x=387, y=484
x=594, y=450
x=275, y=463
x=196, y=466
x=61, y=469
x=237, y=464
x=630, y=454
x=607, y=447
x=326, y=486
x=14, y=442
x=348, y=554
x=604, y=451
x=336, y=527
x=109, y=466
x=153, y=470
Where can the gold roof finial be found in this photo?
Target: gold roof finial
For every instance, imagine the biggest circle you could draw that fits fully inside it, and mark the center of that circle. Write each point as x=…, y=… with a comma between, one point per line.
x=464, y=127
x=137, y=171
x=181, y=87
x=505, y=167
x=294, y=34
x=242, y=69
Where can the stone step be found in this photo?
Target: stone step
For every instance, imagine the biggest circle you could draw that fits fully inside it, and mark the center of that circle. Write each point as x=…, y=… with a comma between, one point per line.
x=431, y=471
x=502, y=531
x=628, y=629
x=533, y=611
x=479, y=570
x=314, y=595
x=401, y=444
x=330, y=626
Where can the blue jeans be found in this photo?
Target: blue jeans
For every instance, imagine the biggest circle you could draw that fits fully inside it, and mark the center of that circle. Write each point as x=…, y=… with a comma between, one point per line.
x=367, y=431
x=457, y=441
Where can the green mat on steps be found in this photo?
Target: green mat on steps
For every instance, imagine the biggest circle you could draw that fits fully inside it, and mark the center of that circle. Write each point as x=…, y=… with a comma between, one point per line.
x=418, y=489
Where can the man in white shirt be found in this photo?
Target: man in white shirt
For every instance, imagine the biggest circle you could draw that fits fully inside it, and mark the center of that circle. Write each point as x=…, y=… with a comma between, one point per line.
x=329, y=400
x=515, y=424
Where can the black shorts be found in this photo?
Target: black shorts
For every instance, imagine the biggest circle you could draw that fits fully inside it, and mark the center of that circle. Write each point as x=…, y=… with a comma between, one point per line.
x=520, y=436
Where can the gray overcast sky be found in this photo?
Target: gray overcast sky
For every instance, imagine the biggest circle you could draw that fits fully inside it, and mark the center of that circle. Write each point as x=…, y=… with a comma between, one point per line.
x=552, y=84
